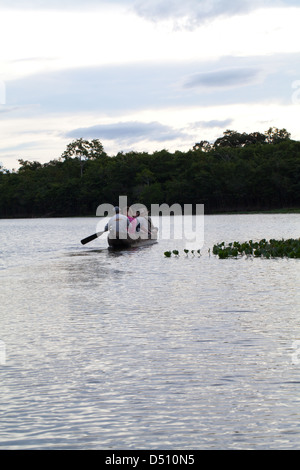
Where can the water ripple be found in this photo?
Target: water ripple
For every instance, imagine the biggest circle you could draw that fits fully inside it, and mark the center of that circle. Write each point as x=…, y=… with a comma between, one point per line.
x=135, y=351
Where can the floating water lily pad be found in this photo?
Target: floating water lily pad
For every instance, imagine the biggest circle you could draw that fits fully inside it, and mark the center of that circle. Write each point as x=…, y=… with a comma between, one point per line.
x=264, y=249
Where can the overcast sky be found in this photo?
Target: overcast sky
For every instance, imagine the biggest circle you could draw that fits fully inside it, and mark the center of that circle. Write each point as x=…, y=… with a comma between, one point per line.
x=144, y=75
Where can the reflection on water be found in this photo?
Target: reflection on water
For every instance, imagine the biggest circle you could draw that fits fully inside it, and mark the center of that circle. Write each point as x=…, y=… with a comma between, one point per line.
x=130, y=350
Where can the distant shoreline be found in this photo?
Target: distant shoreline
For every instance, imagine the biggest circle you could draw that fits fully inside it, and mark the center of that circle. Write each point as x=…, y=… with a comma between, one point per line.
x=271, y=211
x=245, y=212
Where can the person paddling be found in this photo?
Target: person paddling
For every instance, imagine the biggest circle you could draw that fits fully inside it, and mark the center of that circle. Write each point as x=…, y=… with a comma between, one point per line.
x=118, y=224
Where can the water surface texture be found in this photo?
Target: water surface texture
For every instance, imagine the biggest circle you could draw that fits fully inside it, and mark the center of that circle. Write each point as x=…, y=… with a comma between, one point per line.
x=131, y=350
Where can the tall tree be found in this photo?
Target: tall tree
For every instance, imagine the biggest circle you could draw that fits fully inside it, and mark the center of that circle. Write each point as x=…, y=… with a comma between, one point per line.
x=275, y=135
x=84, y=150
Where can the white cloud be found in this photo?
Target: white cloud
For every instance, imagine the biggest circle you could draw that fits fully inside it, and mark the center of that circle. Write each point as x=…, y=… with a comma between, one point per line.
x=46, y=138
x=58, y=5
x=93, y=65
x=127, y=87
x=53, y=40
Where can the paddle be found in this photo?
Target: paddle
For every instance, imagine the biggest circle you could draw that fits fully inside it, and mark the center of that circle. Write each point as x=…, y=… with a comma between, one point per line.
x=92, y=237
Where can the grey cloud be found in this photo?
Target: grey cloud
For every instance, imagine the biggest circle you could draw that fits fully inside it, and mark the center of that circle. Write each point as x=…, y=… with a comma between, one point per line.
x=223, y=78
x=128, y=132
x=214, y=123
x=196, y=12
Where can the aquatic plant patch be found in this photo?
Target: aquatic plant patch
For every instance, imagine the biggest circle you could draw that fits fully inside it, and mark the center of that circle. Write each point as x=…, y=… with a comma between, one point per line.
x=264, y=249
x=258, y=249
x=186, y=252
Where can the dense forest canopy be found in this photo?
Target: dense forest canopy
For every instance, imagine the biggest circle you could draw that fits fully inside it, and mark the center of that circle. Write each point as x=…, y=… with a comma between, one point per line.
x=238, y=172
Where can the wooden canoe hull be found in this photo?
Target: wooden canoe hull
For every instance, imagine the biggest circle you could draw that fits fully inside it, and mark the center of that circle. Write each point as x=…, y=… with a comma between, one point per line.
x=129, y=242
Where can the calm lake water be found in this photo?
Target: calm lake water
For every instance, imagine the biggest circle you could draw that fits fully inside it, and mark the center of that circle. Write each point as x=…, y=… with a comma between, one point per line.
x=131, y=350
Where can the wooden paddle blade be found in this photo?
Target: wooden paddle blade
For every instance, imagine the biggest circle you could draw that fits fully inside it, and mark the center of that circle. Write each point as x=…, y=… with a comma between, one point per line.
x=89, y=239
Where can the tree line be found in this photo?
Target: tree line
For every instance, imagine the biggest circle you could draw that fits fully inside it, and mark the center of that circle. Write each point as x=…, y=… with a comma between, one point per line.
x=238, y=172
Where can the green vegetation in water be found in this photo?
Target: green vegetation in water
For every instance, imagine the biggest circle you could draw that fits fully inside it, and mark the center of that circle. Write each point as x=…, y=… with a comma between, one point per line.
x=169, y=253
x=261, y=249
x=264, y=249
